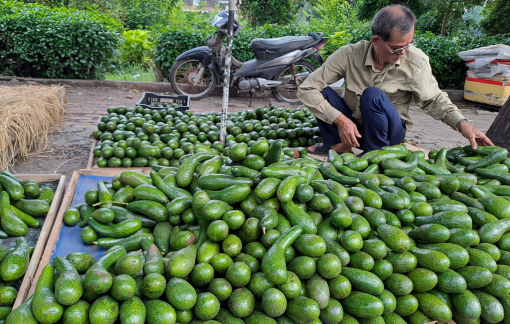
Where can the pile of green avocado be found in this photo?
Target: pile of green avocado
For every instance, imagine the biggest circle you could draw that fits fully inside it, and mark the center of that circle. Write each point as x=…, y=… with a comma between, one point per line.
x=21, y=202
x=138, y=137
x=263, y=237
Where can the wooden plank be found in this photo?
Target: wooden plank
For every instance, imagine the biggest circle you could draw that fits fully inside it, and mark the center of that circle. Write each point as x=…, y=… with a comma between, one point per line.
x=48, y=251
x=26, y=284
x=415, y=148
x=91, y=162
x=59, y=220
x=499, y=132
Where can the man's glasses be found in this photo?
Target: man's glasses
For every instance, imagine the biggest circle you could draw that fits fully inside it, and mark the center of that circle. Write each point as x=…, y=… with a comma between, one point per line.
x=398, y=50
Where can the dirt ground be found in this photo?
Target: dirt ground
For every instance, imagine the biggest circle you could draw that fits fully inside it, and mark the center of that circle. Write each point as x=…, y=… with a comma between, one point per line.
x=71, y=143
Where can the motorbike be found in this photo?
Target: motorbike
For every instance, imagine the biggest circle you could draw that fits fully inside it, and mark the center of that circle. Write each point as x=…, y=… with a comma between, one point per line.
x=280, y=64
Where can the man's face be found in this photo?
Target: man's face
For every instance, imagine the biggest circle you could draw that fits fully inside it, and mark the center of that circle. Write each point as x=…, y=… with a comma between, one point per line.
x=398, y=41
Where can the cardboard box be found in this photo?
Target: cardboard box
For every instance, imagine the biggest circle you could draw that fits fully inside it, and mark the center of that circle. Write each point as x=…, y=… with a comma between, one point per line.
x=494, y=91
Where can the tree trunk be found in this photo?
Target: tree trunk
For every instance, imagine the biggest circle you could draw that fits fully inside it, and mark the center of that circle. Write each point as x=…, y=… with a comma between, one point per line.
x=445, y=20
x=157, y=71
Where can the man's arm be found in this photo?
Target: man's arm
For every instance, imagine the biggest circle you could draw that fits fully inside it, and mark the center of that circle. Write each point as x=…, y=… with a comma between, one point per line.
x=437, y=104
x=310, y=91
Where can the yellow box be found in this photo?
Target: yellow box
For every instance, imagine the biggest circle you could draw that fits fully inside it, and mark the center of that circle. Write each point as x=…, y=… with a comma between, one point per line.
x=493, y=92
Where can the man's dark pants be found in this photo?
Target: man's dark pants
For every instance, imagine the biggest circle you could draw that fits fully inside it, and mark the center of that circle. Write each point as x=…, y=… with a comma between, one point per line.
x=381, y=125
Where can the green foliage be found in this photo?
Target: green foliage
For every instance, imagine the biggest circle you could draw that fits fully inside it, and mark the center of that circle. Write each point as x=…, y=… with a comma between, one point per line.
x=144, y=13
x=133, y=13
x=136, y=47
x=175, y=40
x=133, y=72
x=430, y=14
x=180, y=17
x=38, y=41
x=368, y=8
x=337, y=20
x=498, y=18
x=188, y=30
x=261, y=12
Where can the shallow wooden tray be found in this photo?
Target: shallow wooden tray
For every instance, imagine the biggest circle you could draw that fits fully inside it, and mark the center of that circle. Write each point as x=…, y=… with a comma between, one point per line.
x=66, y=203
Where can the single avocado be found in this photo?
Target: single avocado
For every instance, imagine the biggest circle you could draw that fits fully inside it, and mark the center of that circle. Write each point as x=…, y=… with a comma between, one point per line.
x=45, y=307
x=123, y=287
x=104, y=310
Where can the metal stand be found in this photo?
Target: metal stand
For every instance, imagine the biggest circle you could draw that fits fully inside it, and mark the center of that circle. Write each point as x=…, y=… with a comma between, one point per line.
x=232, y=7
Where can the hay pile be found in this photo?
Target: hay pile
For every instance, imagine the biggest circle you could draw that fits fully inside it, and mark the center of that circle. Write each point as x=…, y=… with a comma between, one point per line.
x=27, y=115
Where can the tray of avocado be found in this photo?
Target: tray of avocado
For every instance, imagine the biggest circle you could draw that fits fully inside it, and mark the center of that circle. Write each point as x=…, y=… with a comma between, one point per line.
x=29, y=207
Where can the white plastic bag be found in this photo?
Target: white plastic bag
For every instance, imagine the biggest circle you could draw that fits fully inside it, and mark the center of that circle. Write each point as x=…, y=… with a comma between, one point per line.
x=496, y=52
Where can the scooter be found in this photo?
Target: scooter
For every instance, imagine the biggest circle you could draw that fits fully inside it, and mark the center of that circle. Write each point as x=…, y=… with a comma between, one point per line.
x=280, y=64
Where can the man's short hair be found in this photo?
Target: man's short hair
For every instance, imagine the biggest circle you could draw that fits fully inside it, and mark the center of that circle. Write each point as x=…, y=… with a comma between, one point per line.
x=391, y=17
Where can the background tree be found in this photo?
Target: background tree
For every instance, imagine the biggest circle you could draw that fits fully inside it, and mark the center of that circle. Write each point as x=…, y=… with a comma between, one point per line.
x=146, y=13
x=497, y=20
x=366, y=9
x=437, y=16
x=455, y=10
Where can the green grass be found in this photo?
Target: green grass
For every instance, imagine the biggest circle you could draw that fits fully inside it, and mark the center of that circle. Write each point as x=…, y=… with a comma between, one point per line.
x=131, y=73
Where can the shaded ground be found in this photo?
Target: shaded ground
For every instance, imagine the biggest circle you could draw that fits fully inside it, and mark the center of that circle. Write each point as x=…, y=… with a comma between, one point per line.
x=71, y=143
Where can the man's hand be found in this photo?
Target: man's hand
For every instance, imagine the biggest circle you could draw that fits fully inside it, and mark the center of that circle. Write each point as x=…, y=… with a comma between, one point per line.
x=347, y=130
x=474, y=136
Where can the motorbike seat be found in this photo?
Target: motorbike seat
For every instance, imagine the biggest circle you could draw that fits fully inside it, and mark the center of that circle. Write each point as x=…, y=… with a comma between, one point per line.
x=281, y=45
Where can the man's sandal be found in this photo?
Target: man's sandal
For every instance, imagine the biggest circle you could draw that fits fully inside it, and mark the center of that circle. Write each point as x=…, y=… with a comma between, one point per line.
x=320, y=149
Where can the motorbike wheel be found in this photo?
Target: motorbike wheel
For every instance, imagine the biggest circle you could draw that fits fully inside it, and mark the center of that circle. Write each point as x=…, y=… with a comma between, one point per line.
x=288, y=92
x=182, y=77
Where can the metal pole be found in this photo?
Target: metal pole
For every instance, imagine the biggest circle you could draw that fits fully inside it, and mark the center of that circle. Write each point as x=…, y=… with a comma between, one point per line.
x=228, y=63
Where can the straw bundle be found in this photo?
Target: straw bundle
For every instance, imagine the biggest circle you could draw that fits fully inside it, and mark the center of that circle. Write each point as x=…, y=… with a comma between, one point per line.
x=27, y=115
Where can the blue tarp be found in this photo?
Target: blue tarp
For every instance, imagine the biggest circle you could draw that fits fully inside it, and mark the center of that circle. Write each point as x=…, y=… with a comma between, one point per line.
x=69, y=239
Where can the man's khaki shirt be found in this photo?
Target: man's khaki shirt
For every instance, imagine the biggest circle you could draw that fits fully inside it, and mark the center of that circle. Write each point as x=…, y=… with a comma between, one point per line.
x=410, y=79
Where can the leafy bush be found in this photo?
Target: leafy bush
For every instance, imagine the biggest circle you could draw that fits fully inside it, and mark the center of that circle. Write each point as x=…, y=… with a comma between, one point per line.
x=262, y=12
x=37, y=41
x=136, y=47
x=175, y=40
x=337, y=20
x=146, y=13
x=132, y=13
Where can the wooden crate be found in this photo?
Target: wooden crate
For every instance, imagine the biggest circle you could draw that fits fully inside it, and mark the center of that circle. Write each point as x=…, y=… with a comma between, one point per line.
x=66, y=203
x=28, y=279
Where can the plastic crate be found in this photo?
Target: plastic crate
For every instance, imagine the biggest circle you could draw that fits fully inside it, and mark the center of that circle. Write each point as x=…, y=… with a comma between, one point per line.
x=154, y=101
